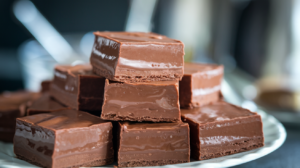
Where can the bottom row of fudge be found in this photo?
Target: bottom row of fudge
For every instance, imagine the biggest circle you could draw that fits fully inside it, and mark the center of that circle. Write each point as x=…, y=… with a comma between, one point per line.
x=70, y=138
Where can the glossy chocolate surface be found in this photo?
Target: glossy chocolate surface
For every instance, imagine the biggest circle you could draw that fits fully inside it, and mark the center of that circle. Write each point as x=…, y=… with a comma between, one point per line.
x=44, y=104
x=17, y=98
x=152, y=144
x=132, y=56
x=65, y=138
x=200, y=85
x=152, y=101
x=221, y=129
x=10, y=103
x=78, y=87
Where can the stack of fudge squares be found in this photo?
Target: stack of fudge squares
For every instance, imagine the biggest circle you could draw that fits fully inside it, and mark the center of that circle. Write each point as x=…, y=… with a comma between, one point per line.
x=136, y=103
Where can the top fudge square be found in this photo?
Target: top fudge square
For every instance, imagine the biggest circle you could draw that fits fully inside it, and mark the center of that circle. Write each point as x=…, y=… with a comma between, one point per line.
x=137, y=57
x=200, y=84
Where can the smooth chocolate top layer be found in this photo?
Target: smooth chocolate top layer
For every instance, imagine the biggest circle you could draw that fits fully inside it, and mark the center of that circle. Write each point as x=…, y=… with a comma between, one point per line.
x=44, y=104
x=145, y=125
x=218, y=111
x=150, y=83
x=132, y=37
x=10, y=99
x=82, y=69
x=64, y=119
x=208, y=69
x=11, y=105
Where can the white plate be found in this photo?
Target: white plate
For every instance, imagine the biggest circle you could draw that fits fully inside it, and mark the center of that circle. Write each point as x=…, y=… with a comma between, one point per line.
x=274, y=132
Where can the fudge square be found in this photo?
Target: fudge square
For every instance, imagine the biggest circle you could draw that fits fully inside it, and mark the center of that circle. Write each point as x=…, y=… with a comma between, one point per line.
x=10, y=103
x=45, y=85
x=78, y=87
x=153, y=144
x=220, y=129
x=66, y=138
x=155, y=101
x=132, y=57
x=44, y=104
x=200, y=85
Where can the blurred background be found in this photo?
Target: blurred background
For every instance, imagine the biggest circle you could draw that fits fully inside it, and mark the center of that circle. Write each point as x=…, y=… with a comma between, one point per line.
x=258, y=42
x=255, y=36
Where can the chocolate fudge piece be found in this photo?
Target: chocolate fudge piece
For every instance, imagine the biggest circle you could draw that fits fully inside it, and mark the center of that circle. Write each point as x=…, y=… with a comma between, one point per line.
x=8, y=115
x=44, y=104
x=45, y=86
x=10, y=109
x=220, y=129
x=153, y=144
x=65, y=138
x=147, y=101
x=133, y=57
x=78, y=87
x=200, y=85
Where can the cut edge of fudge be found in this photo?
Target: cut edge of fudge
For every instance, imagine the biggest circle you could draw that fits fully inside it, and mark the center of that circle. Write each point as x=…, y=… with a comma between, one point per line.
x=246, y=144
x=150, y=163
x=217, y=96
x=146, y=118
x=44, y=104
x=63, y=159
x=161, y=75
x=160, y=129
x=82, y=99
x=114, y=67
x=204, y=96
